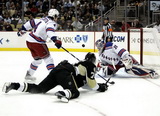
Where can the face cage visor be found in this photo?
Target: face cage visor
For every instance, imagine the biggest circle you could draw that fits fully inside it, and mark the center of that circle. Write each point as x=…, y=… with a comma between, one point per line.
x=99, y=44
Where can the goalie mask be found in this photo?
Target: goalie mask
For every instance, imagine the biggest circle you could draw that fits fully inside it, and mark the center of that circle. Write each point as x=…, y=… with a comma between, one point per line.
x=90, y=57
x=99, y=44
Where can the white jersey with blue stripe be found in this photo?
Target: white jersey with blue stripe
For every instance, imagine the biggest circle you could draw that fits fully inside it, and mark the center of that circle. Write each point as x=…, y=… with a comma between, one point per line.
x=41, y=29
x=112, y=54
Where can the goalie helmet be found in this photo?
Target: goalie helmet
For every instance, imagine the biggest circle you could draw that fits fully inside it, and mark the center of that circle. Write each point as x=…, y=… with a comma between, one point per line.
x=99, y=44
x=53, y=13
x=90, y=57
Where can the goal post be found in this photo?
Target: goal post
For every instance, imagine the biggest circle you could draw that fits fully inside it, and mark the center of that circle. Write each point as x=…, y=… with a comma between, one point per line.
x=144, y=43
x=136, y=34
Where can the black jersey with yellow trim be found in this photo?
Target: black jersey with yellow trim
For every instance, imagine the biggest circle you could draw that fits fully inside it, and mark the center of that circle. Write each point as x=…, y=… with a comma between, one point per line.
x=86, y=74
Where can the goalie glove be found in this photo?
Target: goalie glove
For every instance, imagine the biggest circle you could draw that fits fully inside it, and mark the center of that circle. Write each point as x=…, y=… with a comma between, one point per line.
x=127, y=61
x=102, y=87
x=103, y=67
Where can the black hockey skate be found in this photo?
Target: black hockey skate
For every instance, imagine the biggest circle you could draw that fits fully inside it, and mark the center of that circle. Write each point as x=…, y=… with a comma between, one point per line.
x=7, y=87
x=61, y=95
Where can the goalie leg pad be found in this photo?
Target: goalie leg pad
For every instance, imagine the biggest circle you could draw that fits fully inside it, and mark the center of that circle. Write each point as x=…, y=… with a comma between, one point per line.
x=137, y=71
x=140, y=70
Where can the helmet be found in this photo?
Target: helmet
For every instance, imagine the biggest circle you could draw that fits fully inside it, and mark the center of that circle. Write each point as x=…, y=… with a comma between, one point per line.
x=90, y=57
x=53, y=13
x=105, y=18
x=99, y=44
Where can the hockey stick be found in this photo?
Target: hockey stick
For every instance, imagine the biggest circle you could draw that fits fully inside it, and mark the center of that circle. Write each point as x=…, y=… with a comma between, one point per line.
x=70, y=53
x=107, y=81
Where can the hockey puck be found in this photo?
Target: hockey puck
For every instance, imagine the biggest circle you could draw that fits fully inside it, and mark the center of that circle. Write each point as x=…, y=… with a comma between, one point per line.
x=83, y=45
x=112, y=82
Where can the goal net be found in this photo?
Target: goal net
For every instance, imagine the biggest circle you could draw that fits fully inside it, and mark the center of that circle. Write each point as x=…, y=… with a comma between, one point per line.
x=144, y=45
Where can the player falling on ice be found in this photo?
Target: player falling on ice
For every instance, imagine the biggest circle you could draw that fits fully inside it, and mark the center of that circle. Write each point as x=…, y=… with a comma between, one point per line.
x=70, y=77
x=36, y=41
x=112, y=58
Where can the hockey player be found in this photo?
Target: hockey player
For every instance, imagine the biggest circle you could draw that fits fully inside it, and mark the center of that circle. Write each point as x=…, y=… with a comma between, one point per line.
x=36, y=40
x=112, y=58
x=70, y=77
x=107, y=30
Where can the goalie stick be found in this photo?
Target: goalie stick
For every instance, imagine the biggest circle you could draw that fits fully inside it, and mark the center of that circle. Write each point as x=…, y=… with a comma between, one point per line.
x=107, y=81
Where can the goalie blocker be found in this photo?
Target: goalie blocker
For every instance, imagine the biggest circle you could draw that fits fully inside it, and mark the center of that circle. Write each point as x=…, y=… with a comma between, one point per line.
x=112, y=58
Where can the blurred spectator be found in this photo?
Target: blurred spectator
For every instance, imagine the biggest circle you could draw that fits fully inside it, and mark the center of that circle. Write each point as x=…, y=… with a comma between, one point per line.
x=61, y=24
x=7, y=26
x=18, y=7
x=125, y=26
x=1, y=23
x=12, y=10
x=29, y=13
x=2, y=6
x=136, y=24
x=8, y=4
x=68, y=26
x=31, y=3
x=39, y=4
x=78, y=26
x=87, y=18
x=95, y=9
x=101, y=7
x=25, y=3
x=68, y=15
x=115, y=26
x=34, y=9
x=7, y=19
x=16, y=19
x=77, y=2
x=67, y=4
x=45, y=6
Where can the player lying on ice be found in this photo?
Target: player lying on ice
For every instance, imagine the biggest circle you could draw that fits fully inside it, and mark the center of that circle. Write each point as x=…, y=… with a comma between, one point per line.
x=112, y=58
x=70, y=77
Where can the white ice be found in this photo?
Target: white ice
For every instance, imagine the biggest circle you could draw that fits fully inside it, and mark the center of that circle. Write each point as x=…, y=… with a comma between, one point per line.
x=129, y=96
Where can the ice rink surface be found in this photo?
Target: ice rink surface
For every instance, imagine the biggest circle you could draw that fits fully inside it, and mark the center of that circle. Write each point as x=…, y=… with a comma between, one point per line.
x=129, y=96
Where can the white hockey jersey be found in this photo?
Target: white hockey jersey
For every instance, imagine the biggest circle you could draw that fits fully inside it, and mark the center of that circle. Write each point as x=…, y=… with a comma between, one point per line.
x=41, y=29
x=112, y=54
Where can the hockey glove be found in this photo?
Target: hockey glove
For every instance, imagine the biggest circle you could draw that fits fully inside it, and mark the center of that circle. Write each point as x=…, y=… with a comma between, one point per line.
x=102, y=87
x=127, y=61
x=57, y=42
x=21, y=32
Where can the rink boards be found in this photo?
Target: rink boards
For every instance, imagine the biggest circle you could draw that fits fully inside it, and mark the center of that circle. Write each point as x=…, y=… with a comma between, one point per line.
x=73, y=41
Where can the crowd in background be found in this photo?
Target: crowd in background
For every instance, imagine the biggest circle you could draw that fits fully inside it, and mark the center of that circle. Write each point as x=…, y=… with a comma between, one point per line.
x=69, y=20
x=87, y=10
